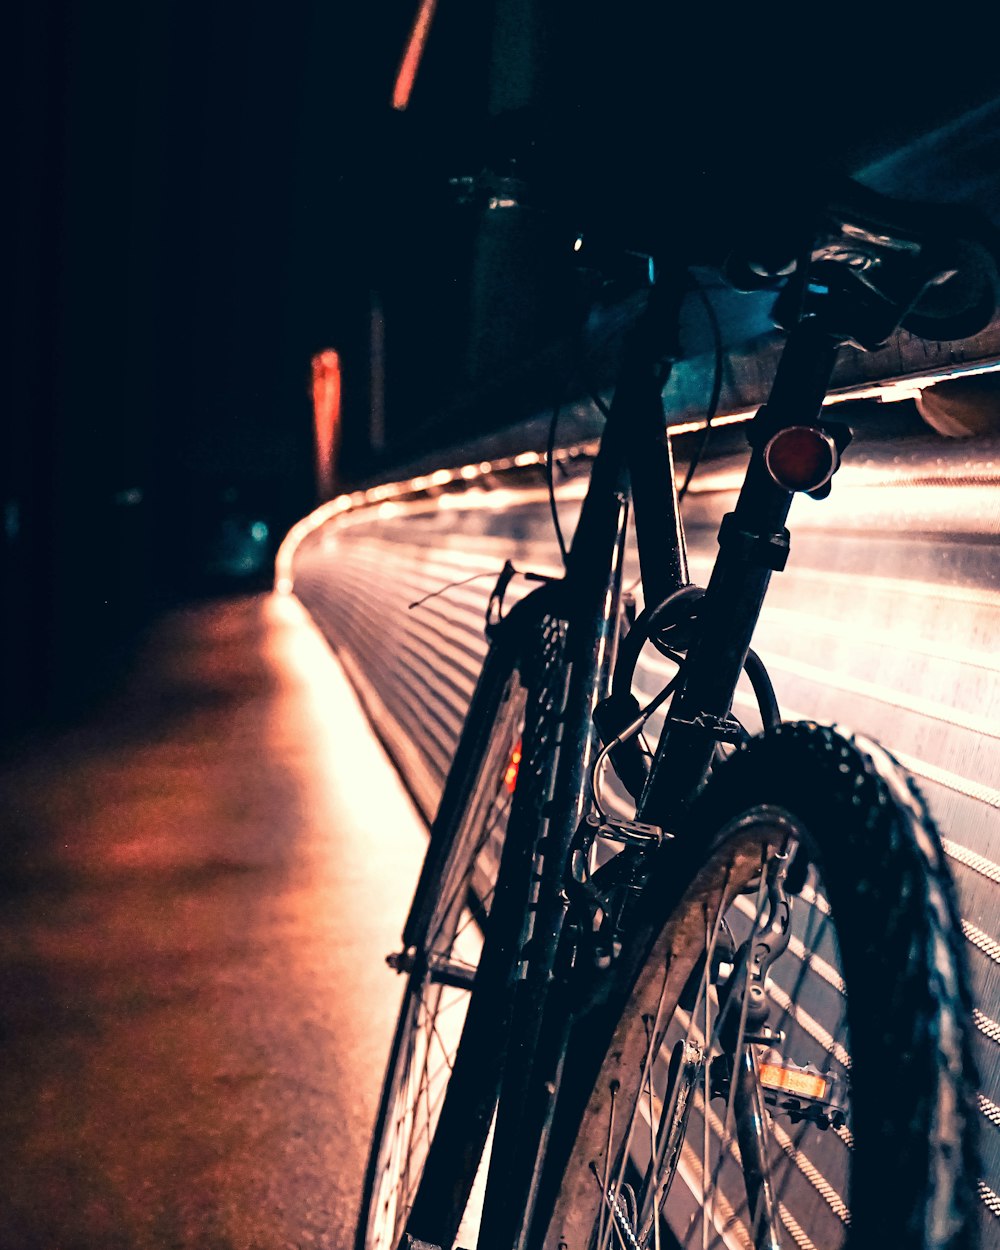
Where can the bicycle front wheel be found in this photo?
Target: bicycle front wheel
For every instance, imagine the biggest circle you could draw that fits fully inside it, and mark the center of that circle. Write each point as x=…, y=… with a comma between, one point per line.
x=783, y=1058
x=431, y=1137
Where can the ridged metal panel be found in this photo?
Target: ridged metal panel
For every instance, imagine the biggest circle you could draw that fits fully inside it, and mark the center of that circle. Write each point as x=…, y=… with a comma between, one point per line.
x=885, y=622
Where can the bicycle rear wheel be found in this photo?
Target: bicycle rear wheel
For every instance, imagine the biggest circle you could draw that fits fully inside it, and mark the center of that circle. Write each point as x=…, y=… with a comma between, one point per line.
x=833, y=1107
x=431, y=1135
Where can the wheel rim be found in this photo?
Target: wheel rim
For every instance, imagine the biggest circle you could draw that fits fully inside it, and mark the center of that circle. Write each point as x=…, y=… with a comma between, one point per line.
x=443, y=970
x=646, y=1146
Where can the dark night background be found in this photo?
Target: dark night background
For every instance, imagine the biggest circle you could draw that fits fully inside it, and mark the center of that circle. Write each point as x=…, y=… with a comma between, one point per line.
x=206, y=195
x=178, y=259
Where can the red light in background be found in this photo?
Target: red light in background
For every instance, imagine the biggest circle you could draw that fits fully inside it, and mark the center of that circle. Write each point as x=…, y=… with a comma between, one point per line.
x=412, y=56
x=326, y=414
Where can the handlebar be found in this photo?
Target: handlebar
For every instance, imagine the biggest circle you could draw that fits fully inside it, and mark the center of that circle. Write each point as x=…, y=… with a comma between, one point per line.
x=868, y=263
x=863, y=262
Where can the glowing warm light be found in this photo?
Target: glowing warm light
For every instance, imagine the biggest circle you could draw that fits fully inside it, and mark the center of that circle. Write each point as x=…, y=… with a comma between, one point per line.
x=890, y=392
x=299, y=531
x=512, y=770
x=471, y=498
x=413, y=55
x=498, y=499
x=477, y=497
x=326, y=417
x=340, y=773
x=348, y=508
x=909, y=388
x=732, y=418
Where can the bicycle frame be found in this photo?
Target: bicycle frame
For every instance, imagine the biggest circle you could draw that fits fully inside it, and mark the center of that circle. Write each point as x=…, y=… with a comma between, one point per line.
x=635, y=460
x=872, y=266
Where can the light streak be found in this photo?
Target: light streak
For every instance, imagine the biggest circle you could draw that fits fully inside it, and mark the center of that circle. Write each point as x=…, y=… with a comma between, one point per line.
x=412, y=55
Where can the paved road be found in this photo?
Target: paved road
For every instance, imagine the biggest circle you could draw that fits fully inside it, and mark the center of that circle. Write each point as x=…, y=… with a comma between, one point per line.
x=198, y=892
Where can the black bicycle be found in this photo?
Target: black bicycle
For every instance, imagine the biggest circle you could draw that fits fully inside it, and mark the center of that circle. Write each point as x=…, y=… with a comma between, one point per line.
x=712, y=994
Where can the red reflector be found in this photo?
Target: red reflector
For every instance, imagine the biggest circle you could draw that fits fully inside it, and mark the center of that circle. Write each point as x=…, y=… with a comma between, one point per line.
x=801, y=458
x=513, y=768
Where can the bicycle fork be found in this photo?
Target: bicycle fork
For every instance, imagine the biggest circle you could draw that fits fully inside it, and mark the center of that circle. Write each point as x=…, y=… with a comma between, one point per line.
x=753, y=543
x=634, y=460
x=531, y=1070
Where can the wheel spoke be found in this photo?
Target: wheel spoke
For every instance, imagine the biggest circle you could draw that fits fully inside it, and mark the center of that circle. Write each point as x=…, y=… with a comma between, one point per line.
x=437, y=998
x=607, y=1160
x=744, y=1000
x=655, y=1036
x=720, y=1199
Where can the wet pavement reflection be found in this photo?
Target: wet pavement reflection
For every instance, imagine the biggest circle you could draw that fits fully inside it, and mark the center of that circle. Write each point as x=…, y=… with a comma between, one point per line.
x=199, y=890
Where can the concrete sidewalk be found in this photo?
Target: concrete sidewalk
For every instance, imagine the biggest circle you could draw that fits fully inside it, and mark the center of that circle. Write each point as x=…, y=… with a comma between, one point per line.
x=200, y=887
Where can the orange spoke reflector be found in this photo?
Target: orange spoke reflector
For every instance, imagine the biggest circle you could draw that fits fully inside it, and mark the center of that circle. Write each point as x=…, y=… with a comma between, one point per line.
x=513, y=768
x=792, y=1080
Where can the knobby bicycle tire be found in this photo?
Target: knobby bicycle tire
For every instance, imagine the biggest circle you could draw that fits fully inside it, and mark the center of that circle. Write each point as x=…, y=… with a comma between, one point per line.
x=897, y=1166
x=462, y=944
